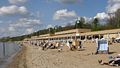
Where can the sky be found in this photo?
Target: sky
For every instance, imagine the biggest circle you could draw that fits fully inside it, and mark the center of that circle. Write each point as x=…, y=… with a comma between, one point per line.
x=20, y=17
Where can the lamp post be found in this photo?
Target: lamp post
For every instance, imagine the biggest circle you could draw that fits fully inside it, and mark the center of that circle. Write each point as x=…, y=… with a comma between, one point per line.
x=77, y=22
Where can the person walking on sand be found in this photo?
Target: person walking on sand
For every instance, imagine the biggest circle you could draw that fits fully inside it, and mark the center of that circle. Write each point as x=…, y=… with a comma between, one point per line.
x=69, y=44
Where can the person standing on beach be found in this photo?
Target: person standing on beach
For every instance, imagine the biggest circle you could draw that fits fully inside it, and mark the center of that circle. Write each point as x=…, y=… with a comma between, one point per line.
x=69, y=44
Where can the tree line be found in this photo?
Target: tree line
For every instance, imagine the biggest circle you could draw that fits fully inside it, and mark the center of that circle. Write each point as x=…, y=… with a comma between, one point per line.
x=112, y=23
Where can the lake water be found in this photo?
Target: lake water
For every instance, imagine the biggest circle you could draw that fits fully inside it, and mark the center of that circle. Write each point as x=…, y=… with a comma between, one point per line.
x=8, y=49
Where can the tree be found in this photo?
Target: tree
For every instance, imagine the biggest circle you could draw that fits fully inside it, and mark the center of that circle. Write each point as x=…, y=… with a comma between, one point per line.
x=57, y=28
x=117, y=18
x=95, y=24
x=80, y=23
x=114, y=20
x=51, y=31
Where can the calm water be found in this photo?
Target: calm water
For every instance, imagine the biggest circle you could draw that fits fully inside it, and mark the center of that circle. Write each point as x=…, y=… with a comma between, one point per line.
x=8, y=49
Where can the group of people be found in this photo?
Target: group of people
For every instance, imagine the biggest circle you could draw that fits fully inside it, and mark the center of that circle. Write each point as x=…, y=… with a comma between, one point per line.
x=48, y=45
x=74, y=45
x=71, y=44
x=102, y=47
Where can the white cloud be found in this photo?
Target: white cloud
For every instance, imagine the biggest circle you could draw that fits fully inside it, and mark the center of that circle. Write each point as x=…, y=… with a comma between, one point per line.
x=88, y=19
x=11, y=29
x=25, y=22
x=49, y=26
x=67, y=1
x=19, y=27
x=102, y=15
x=13, y=9
x=17, y=1
x=64, y=13
x=113, y=6
x=29, y=30
x=113, y=1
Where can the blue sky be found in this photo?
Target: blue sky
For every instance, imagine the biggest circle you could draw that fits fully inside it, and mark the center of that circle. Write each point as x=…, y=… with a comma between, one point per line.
x=19, y=17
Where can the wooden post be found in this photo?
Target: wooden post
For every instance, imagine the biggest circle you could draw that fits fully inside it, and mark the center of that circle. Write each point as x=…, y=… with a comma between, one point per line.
x=4, y=49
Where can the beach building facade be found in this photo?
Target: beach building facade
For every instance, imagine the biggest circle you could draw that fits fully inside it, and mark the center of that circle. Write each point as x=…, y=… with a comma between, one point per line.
x=78, y=34
x=63, y=35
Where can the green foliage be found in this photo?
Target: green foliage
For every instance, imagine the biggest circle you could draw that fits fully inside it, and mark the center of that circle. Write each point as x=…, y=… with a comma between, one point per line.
x=80, y=23
x=95, y=24
x=114, y=21
x=51, y=31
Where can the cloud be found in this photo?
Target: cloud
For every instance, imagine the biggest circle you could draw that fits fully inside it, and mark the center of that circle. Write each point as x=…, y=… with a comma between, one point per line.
x=102, y=15
x=113, y=6
x=49, y=26
x=13, y=9
x=25, y=22
x=17, y=1
x=66, y=1
x=20, y=27
x=11, y=28
x=88, y=19
x=113, y=1
x=63, y=14
x=29, y=30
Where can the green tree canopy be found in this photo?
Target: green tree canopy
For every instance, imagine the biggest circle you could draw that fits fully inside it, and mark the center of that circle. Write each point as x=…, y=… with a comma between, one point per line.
x=95, y=24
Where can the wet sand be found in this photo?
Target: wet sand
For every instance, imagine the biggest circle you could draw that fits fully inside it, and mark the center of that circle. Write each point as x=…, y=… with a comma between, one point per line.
x=34, y=57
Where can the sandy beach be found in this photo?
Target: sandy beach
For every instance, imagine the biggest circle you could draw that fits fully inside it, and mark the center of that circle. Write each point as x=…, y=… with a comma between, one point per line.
x=34, y=57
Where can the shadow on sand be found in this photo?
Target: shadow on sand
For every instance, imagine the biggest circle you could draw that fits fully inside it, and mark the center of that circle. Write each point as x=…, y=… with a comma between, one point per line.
x=111, y=52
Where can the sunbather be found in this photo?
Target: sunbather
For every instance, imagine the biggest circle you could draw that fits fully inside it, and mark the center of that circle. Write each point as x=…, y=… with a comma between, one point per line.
x=114, y=62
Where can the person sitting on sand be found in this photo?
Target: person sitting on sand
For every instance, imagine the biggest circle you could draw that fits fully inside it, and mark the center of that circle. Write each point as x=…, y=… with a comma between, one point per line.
x=57, y=44
x=60, y=47
x=114, y=62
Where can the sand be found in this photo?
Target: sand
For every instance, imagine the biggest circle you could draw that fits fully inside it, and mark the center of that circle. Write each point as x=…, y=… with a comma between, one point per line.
x=34, y=57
